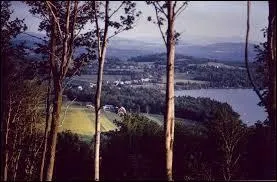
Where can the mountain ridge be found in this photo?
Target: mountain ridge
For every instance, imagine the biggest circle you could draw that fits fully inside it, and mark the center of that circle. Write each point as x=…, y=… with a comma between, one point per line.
x=125, y=48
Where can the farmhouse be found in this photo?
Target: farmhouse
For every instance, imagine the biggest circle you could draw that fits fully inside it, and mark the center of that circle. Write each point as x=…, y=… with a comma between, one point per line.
x=121, y=111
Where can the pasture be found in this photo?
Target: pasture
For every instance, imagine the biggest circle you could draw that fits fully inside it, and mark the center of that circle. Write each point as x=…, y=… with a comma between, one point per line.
x=81, y=120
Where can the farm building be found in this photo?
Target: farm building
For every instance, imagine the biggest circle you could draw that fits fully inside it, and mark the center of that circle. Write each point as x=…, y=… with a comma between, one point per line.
x=121, y=111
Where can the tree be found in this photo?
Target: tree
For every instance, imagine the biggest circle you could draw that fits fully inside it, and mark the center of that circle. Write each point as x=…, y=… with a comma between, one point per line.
x=9, y=29
x=256, y=89
x=169, y=11
x=268, y=98
x=102, y=12
x=227, y=132
x=62, y=22
x=22, y=114
x=271, y=61
x=47, y=127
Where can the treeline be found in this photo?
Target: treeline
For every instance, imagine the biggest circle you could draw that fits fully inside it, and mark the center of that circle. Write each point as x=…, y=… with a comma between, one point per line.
x=222, y=77
x=161, y=58
x=149, y=100
x=135, y=152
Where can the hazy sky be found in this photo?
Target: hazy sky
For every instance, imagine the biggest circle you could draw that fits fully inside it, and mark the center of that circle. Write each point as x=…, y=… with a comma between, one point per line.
x=201, y=22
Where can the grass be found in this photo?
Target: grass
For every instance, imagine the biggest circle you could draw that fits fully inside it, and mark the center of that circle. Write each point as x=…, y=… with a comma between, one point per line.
x=77, y=121
x=81, y=120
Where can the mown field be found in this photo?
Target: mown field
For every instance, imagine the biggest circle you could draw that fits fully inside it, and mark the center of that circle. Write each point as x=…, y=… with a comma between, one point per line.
x=81, y=120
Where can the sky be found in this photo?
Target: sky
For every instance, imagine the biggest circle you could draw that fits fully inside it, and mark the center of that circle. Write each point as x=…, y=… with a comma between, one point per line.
x=202, y=22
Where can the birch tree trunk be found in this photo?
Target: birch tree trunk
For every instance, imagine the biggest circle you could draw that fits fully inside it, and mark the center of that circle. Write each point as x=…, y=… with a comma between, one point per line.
x=102, y=48
x=50, y=155
x=6, y=135
x=50, y=158
x=47, y=126
x=97, y=119
x=169, y=113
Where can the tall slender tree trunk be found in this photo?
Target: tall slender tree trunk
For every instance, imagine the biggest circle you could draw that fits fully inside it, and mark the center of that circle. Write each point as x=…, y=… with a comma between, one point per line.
x=102, y=48
x=16, y=165
x=97, y=114
x=6, y=135
x=50, y=158
x=6, y=154
x=47, y=127
x=246, y=56
x=57, y=102
x=169, y=113
x=272, y=63
x=272, y=77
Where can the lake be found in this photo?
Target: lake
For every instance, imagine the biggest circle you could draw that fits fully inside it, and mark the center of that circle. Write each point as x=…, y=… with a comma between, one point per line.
x=243, y=101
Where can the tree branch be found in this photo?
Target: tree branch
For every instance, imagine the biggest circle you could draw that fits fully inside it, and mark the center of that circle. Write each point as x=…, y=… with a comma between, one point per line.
x=65, y=58
x=174, y=5
x=70, y=51
x=66, y=111
x=160, y=28
x=105, y=28
x=121, y=30
x=180, y=9
x=55, y=18
x=160, y=8
x=75, y=71
x=116, y=10
x=97, y=29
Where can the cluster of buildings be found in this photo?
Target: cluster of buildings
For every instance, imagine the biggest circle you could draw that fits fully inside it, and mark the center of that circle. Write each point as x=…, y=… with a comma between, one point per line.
x=129, y=82
x=111, y=108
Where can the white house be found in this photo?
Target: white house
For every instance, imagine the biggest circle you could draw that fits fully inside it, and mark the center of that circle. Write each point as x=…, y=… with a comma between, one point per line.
x=80, y=87
x=121, y=111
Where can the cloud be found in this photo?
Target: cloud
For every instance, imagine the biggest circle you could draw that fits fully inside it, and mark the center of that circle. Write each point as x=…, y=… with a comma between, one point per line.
x=210, y=20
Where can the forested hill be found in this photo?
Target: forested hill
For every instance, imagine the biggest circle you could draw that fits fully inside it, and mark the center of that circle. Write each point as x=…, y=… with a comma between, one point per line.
x=161, y=57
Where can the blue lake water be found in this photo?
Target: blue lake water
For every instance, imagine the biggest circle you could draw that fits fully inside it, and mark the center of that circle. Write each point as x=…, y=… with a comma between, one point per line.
x=243, y=101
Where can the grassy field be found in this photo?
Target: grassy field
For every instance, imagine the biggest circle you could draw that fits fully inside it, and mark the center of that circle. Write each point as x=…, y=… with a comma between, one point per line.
x=80, y=120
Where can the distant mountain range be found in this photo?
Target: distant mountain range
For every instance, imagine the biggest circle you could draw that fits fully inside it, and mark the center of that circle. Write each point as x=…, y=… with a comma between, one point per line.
x=127, y=48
